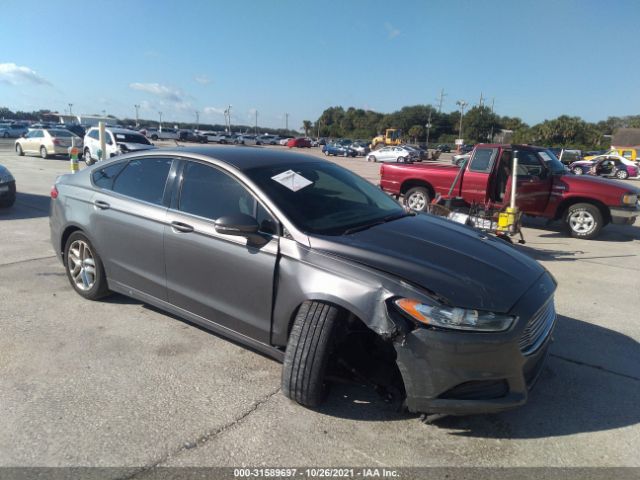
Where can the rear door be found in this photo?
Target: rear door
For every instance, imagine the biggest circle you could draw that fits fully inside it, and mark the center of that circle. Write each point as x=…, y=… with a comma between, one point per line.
x=127, y=222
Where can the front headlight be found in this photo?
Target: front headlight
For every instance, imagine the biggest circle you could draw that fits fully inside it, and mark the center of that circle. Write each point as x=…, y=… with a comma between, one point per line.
x=454, y=318
x=630, y=199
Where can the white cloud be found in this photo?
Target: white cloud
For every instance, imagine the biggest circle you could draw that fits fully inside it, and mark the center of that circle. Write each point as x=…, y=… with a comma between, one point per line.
x=202, y=79
x=213, y=110
x=15, y=74
x=162, y=91
x=392, y=32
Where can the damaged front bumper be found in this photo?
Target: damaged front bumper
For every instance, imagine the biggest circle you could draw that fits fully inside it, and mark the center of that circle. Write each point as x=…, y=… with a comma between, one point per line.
x=462, y=373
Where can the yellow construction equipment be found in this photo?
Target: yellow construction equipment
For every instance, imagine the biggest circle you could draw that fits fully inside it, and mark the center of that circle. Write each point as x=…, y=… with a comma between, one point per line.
x=392, y=136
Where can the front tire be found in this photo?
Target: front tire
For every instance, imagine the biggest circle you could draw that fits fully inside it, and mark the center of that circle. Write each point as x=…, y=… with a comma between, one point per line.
x=308, y=350
x=84, y=267
x=19, y=150
x=417, y=199
x=577, y=171
x=584, y=221
x=372, y=158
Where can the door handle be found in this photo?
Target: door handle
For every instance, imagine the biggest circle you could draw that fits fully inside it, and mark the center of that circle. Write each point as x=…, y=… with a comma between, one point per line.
x=182, y=227
x=102, y=205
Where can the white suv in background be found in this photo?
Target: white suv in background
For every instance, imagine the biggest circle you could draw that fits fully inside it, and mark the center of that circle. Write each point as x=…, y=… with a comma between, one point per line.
x=117, y=141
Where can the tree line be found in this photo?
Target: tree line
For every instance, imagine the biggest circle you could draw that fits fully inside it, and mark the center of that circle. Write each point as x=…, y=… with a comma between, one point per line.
x=479, y=124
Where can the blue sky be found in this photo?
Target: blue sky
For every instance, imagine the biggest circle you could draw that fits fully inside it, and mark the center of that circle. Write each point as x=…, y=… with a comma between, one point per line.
x=538, y=59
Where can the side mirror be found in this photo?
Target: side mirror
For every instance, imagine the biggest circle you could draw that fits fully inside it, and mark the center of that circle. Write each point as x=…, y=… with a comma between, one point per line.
x=239, y=224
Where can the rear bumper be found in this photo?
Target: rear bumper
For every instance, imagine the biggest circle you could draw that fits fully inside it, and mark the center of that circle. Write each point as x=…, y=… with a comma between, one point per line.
x=463, y=373
x=624, y=215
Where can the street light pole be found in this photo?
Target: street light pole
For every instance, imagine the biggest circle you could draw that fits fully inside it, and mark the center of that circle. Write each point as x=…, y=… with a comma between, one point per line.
x=70, y=112
x=137, y=107
x=286, y=121
x=160, y=124
x=256, y=122
x=197, y=120
x=428, y=125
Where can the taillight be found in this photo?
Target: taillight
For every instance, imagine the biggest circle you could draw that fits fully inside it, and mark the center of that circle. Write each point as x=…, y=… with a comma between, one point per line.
x=381, y=168
x=56, y=141
x=54, y=192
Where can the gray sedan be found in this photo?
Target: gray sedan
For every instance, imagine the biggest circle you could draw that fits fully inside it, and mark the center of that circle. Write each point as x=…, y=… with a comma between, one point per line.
x=309, y=263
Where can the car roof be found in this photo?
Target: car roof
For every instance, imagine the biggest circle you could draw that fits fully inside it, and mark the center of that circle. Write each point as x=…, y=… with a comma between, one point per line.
x=241, y=157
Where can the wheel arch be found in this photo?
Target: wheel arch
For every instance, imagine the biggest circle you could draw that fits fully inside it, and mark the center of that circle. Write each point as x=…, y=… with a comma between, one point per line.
x=415, y=182
x=566, y=204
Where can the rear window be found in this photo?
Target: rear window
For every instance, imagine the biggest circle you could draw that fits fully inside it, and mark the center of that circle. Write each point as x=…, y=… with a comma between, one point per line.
x=482, y=160
x=60, y=133
x=131, y=138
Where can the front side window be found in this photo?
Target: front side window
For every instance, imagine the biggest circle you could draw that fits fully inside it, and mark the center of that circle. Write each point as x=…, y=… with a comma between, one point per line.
x=144, y=179
x=482, y=160
x=210, y=193
x=528, y=164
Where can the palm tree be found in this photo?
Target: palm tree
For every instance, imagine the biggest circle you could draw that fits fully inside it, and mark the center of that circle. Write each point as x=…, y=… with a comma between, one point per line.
x=306, y=124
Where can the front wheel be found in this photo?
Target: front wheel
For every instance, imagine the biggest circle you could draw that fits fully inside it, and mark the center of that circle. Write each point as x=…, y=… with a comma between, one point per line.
x=401, y=160
x=372, y=158
x=417, y=198
x=584, y=221
x=577, y=171
x=84, y=267
x=308, y=350
x=326, y=153
x=19, y=150
x=622, y=174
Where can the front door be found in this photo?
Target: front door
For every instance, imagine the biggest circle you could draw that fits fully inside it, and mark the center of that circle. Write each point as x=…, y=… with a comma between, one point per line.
x=533, y=183
x=225, y=279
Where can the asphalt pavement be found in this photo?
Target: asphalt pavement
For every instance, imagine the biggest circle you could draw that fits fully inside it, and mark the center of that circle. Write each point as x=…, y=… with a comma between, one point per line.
x=119, y=383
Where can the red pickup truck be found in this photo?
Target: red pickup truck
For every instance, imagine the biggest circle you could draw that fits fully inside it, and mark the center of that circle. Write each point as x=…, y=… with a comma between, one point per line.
x=544, y=187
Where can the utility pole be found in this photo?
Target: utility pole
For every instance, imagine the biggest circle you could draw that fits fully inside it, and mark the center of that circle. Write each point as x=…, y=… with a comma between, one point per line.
x=229, y=118
x=70, y=105
x=197, y=120
x=462, y=104
x=256, y=121
x=160, y=124
x=428, y=125
x=137, y=107
x=441, y=100
x=493, y=100
x=286, y=121
x=481, y=100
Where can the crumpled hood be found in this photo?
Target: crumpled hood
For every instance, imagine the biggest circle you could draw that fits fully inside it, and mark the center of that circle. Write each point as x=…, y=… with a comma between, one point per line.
x=463, y=266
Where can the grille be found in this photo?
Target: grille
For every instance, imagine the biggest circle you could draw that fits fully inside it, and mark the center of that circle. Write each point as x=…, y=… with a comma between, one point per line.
x=538, y=328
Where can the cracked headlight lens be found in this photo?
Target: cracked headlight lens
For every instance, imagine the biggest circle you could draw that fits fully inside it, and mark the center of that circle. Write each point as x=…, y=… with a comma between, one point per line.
x=454, y=318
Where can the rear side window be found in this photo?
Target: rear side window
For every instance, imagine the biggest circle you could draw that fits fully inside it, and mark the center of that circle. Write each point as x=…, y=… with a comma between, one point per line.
x=104, y=177
x=144, y=179
x=482, y=160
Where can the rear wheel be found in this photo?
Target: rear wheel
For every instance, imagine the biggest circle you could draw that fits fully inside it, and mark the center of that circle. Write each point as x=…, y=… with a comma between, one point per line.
x=622, y=174
x=43, y=152
x=310, y=345
x=417, y=198
x=372, y=158
x=577, y=170
x=154, y=137
x=401, y=160
x=19, y=150
x=87, y=157
x=326, y=152
x=84, y=267
x=584, y=220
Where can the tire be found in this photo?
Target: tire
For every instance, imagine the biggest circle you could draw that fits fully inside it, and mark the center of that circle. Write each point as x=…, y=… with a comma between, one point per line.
x=371, y=158
x=326, y=153
x=43, y=152
x=417, y=198
x=154, y=137
x=401, y=160
x=584, y=220
x=622, y=174
x=8, y=201
x=87, y=157
x=5, y=135
x=577, y=170
x=345, y=154
x=19, y=150
x=308, y=351
x=84, y=268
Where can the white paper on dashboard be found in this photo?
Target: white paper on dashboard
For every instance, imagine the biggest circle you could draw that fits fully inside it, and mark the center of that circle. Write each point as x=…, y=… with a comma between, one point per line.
x=292, y=180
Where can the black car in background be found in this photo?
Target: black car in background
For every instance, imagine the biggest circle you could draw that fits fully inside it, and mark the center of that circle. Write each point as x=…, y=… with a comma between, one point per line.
x=7, y=188
x=443, y=147
x=191, y=136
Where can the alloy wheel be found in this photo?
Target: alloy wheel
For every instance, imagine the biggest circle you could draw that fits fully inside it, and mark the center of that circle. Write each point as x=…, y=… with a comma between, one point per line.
x=81, y=265
x=581, y=221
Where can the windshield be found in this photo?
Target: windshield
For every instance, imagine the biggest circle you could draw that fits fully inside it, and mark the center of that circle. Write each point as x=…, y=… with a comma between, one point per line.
x=551, y=161
x=131, y=138
x=324, y=198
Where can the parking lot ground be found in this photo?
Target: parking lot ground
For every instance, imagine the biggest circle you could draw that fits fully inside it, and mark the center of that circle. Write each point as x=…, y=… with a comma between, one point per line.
x=118, y=383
